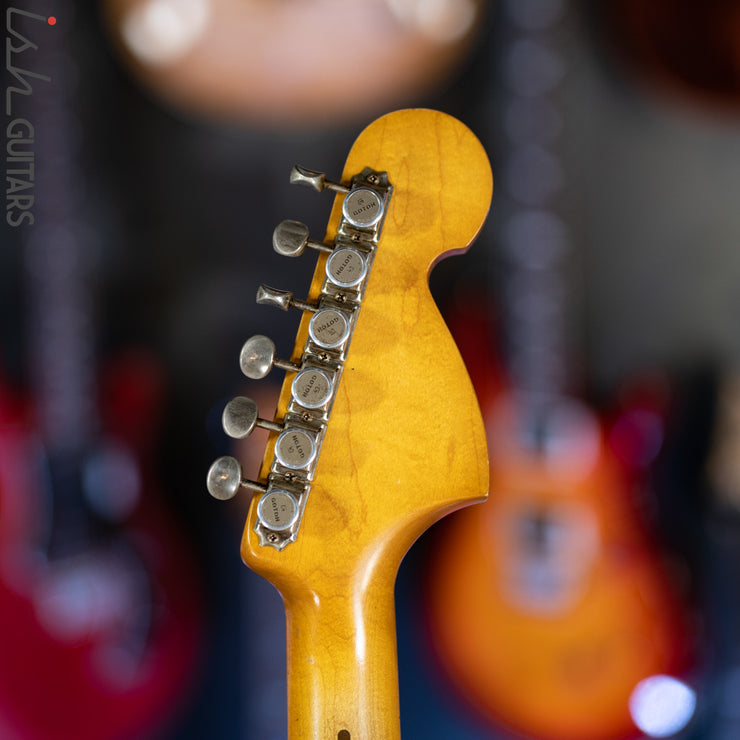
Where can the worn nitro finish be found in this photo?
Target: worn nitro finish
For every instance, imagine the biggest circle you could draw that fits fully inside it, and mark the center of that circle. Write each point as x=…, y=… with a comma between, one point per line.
x=394, y=459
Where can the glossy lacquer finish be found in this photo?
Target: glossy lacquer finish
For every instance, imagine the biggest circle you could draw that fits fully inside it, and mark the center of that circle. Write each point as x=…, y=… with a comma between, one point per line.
x=405, y=442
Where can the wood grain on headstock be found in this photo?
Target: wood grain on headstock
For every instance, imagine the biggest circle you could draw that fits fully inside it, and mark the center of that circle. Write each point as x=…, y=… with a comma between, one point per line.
x=405, y=443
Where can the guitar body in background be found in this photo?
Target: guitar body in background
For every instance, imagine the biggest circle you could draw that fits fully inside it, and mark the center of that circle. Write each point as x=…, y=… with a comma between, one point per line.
x=101, y=610
x=99, y=643
x=685, y=50
x=549, y=605
x=319, y=62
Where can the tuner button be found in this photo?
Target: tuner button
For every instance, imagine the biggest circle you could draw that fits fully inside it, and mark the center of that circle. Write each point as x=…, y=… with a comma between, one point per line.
x=281, y=298
x=257, y=356
x=273, y=297
x=312, y=388
x=346, y=267
x=295, y=448
x=316, y=180
x=290, y=238
x=363, y=207
x=328, y=327
x=277, y=510
x=224, y=478
x=240, y=418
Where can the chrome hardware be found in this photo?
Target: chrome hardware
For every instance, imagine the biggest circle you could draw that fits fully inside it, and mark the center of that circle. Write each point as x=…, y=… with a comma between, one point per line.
x=329, y=328
x=225, y=479
x=316, y=180
x=240, y=418
x=312, y=388
x=363, y=207
x=281, y=298
x=290, y=239
x=346, y=267
x=297, y=446
x=257, y=358
x=278, y=510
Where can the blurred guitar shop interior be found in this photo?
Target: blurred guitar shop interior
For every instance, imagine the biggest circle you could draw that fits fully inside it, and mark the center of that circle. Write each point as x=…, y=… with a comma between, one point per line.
x=597, y=312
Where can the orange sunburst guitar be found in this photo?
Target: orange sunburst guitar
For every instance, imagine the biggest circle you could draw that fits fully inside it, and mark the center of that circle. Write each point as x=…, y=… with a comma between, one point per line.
x=548, y=605
x=363, y=456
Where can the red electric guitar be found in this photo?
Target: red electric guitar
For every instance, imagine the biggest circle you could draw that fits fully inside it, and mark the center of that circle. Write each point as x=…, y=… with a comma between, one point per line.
x=100, y=604
x=100, y=621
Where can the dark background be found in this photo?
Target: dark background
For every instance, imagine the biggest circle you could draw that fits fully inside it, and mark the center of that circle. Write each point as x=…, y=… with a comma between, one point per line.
x=177, y=211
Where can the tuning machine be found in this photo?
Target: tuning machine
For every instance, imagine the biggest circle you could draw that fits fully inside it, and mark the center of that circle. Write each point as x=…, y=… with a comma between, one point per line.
x=290, y=239
x=332, y=310
x=295, y=446
x=363, y=206
x=329, y=327
x=240, y=417
x=316, y=180
x=278, y=508
x=257, y=358
x=346, y=266
x=225, y=479
x=312, y=387
x=282, y=299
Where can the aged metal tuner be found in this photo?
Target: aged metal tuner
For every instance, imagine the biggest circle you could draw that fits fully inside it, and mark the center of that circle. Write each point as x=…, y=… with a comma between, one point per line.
x=316, y=375
x=290, y=239
x=316, y=180
x=225, y=479
x=257, y=358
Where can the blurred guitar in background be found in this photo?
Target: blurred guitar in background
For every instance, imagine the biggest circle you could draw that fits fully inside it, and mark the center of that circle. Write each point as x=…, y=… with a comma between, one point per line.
x=100, y=604
x=690, y=51
x=311, y=63
x=550, y=608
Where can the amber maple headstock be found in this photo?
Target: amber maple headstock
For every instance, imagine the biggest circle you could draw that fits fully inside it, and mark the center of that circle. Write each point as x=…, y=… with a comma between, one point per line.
x=377, y=432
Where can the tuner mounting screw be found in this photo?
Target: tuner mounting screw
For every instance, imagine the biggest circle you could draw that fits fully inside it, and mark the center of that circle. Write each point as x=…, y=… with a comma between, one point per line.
x=341, y=297
x=324, y=357
x=372, y=178
x=306, y=417
x=272, y=537
x=355, y=237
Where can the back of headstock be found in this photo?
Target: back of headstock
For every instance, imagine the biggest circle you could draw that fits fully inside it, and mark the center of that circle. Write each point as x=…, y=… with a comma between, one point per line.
x=399, y=442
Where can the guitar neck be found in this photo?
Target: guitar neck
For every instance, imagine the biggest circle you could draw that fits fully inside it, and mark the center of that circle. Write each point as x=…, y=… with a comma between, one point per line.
x=342, y=674
x=400, y=439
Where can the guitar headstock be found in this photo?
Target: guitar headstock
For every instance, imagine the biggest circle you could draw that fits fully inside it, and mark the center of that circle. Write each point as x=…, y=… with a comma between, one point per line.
x=377, y=432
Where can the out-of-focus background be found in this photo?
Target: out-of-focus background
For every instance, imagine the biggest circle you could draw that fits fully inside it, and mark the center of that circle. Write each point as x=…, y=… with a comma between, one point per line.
x=147, y=150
